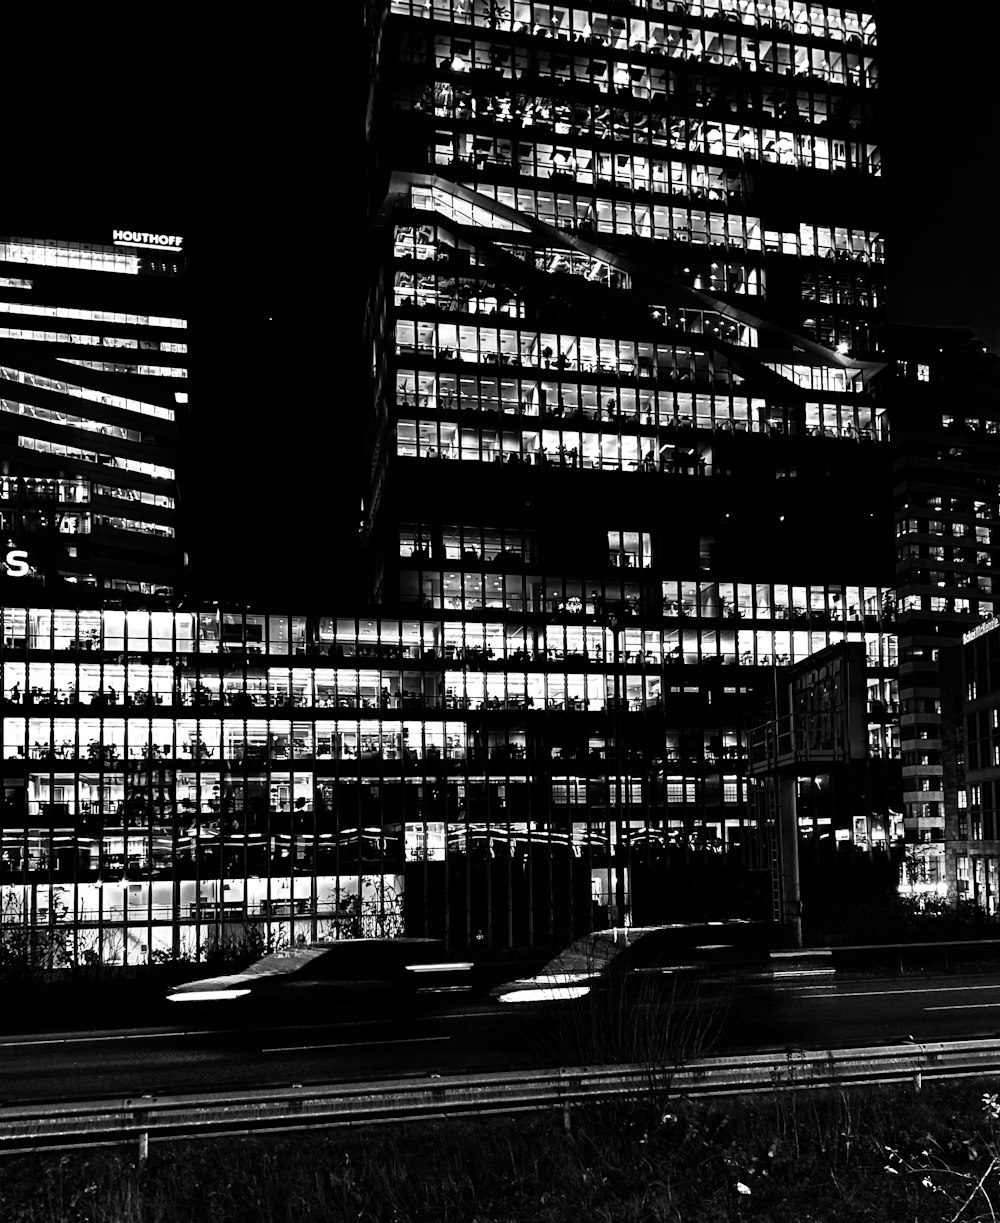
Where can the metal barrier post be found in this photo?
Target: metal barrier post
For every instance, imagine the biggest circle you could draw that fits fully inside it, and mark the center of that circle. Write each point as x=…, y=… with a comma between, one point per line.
x=563, y=1083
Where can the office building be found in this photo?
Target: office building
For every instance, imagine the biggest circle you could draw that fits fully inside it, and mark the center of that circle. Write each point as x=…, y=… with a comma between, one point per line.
x=632, y=451
x=173, y=779
x=626, y=390
x=945, y=403
x=976, y=834
x=93, y=376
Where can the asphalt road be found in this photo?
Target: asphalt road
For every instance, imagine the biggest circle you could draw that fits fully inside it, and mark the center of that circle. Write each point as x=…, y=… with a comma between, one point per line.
x=191, y=1055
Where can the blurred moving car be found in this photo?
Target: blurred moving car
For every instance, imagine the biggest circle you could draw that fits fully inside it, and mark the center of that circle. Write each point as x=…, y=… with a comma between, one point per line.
x=653, y=994
x=648, y=961
x=345, y=976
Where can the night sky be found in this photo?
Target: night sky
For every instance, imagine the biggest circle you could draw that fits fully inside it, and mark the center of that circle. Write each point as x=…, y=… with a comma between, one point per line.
x=249, y=142
x=940, y=121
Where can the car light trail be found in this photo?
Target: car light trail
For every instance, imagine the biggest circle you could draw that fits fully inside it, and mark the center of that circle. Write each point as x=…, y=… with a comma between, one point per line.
x=208, y=995
x=465, y=966
x=563, y=993
x=358, y=1044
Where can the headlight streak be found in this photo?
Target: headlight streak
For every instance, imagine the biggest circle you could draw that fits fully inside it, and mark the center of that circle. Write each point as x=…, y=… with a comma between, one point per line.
x=446, y=966
x=565, y=993
x=208, y=995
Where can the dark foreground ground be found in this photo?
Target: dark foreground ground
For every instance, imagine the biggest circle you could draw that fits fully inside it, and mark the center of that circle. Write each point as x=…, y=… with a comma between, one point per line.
x=886, y=1154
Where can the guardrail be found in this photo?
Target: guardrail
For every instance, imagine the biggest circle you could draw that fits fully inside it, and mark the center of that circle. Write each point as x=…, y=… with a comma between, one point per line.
x=144, y=1118
x=788, y=963
x=949, y=952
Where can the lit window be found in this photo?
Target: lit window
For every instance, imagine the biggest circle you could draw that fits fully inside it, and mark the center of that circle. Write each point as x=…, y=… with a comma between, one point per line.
x=630, y=549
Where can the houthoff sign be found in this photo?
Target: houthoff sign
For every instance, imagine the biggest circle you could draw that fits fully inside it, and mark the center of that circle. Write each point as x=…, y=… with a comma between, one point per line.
x=156, y=242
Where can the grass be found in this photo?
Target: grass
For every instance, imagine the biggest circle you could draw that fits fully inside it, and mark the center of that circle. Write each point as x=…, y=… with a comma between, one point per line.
x=849, y=1157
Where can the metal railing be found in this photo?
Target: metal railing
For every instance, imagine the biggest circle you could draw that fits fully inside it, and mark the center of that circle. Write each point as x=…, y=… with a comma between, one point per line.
x=140, y=1119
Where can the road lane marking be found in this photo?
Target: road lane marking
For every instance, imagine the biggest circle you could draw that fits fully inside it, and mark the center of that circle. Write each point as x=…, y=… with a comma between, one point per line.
x=962, y=1006
x=94, y=1040
x=358, y=1044
x=902, y=992
x=787, y=974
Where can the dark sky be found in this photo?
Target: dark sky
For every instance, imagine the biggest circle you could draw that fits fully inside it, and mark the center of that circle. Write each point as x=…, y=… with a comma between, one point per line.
x=248, y=140
x=941, y=116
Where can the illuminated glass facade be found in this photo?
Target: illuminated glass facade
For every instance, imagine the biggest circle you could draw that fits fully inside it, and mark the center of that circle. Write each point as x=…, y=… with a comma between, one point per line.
x=93, y=375
x=173, y=777
x=945, y=393
x=629, y=454
x=976, y=860
x=626, y=395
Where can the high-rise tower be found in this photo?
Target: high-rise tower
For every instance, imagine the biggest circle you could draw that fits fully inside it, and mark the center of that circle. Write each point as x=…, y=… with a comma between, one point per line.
x=93, y=369
x=624, y=361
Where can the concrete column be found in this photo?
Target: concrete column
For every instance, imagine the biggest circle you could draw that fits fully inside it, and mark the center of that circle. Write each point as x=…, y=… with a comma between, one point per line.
x=788, y=859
